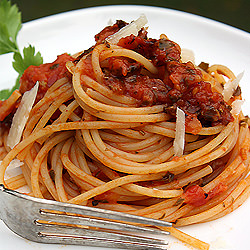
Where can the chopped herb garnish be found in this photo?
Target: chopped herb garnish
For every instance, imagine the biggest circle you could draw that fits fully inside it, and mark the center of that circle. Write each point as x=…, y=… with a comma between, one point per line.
x=10, y=25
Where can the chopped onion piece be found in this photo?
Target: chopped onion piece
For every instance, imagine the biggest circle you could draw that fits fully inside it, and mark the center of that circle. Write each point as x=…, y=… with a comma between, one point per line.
x=236, y=107
x=21, y=116
x=231, y=86
x=187, y=55
x=130, y=29
x=179, y=140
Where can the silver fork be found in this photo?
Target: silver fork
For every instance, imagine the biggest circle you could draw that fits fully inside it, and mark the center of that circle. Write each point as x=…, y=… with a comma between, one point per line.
x=47, y=221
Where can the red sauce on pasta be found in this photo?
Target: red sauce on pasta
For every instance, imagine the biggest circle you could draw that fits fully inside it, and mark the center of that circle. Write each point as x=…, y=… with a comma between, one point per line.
x=196, y=196
x=46, y=74
x=177, y=84
x=109, y=30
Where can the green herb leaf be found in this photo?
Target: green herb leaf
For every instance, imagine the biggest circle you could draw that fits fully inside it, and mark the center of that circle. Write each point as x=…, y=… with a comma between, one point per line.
x=10, y=24
x=29, y=58
x=20, y=64
x=6, y=93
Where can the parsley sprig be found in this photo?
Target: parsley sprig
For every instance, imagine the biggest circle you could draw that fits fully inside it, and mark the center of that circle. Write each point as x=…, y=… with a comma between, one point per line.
x=10, y=25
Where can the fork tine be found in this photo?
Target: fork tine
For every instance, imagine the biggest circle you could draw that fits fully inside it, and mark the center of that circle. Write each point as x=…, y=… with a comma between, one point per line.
x=47, y=231
x=43, y=204
x=101, y=213
x=93, y=222
x=35, y=219
x=105, y=243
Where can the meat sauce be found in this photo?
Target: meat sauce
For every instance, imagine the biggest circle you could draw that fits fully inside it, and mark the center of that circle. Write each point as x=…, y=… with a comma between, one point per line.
x=46, y=74
x=177, y=84
x=109, y=30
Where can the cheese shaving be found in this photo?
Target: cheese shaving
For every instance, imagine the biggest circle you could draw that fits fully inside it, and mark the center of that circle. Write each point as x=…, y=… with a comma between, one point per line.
x=21, y=116
x=131, y=29
x=236, y=107
x=231, y=86
x=13, y=168
x=179, y=140
x=110, y=22
x=187, y=55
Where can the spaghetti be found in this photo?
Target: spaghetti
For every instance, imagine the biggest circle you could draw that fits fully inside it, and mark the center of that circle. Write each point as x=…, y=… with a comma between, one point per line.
x=102, y=132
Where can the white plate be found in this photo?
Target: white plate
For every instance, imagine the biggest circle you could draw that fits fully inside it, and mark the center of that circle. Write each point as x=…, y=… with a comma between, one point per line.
x=211, y=41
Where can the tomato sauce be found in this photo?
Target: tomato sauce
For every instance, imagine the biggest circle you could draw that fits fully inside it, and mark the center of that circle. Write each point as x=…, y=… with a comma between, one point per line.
x=177, y=84
x=159, y=51
x=109, y=30
x=196, y=196
x=46, y=74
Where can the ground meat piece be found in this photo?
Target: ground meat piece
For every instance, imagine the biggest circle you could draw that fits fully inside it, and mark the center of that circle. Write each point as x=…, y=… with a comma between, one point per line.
x=159, y=51
x=148, y=91
x=109, y=30
x=115, y=85
x=121, y=67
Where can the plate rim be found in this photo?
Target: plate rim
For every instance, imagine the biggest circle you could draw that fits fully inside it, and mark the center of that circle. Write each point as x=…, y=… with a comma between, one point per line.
x=203, y=19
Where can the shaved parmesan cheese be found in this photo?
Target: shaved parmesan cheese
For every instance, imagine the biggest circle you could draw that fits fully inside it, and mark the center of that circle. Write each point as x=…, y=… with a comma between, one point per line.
x=236, y=107
x=13, y=168
x=15, y=163
x=231, y=86
x=131, y=29
x=179, y=140
x=21, y=116
x=187, y=55
x=110, y=22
